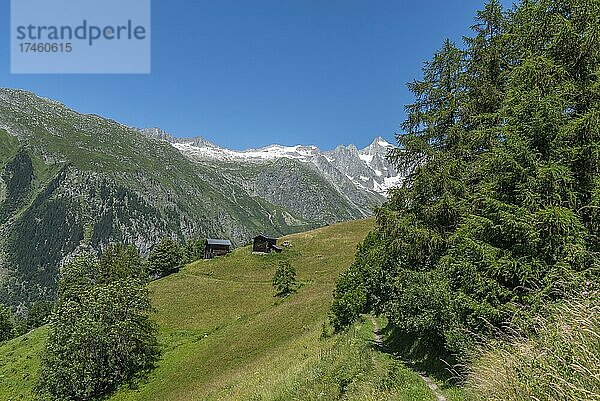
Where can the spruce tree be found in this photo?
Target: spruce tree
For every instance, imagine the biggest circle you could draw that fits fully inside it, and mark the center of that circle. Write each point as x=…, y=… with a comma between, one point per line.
x=498, y=214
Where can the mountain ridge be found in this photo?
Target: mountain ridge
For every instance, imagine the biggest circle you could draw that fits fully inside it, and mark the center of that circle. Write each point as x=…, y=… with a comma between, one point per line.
x=367, y=168
x=73, y=182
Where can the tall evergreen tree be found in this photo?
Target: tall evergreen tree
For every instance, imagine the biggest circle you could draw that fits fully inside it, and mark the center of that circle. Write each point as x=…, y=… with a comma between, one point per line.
x=485, y=75
x=499, y=212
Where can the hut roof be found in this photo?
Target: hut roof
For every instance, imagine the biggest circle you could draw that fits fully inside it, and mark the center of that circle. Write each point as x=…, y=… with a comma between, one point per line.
x=213, y=241
x=265, y=237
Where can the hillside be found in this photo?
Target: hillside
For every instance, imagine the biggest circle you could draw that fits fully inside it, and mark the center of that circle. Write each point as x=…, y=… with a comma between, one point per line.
x=226, y=337
x=71, y=182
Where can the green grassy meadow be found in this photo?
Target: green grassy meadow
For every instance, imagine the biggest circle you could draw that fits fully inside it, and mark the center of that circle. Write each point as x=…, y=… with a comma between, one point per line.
x=225, y=336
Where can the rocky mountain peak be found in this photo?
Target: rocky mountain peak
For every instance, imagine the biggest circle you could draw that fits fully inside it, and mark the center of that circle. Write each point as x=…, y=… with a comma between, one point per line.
x=161, y=135
x=381, y=143
x=367, y=169
x=157, y=133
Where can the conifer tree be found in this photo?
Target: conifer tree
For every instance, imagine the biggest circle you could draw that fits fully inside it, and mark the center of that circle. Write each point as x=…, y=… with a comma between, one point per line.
x=498, y=214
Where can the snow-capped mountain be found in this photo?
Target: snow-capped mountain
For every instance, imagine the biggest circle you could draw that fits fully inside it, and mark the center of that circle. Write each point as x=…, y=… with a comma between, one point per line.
x=368, y=169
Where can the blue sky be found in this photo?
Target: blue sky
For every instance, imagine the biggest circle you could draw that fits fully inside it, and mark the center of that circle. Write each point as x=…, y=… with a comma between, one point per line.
x=249, y=73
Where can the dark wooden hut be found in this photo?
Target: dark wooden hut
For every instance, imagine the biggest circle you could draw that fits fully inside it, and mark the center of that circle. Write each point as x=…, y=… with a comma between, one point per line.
x=216, y=247
x=264, y=244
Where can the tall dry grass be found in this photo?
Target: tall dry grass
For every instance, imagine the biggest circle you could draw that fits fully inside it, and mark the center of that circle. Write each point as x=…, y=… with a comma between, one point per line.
x=560, y=362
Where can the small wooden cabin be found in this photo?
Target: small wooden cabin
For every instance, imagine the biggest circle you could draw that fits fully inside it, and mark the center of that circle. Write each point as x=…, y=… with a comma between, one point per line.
x=264, y=244
x=216, y=247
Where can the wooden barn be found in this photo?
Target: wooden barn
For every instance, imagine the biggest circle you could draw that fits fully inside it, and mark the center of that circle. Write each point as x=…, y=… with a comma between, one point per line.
x=216, y=247
x=264, y=244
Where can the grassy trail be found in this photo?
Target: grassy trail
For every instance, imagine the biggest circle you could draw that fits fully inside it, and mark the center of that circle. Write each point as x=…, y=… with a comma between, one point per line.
x=430, y=383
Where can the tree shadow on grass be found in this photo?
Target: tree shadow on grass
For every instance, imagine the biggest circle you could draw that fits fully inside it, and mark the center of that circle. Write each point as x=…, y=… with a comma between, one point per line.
x=419, y=354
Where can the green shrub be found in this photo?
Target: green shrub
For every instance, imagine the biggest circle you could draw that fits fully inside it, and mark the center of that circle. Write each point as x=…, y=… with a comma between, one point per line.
x=120, y=261
x=38, y=314
x=100, y=332
x=349, y=300
x=194, y=250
